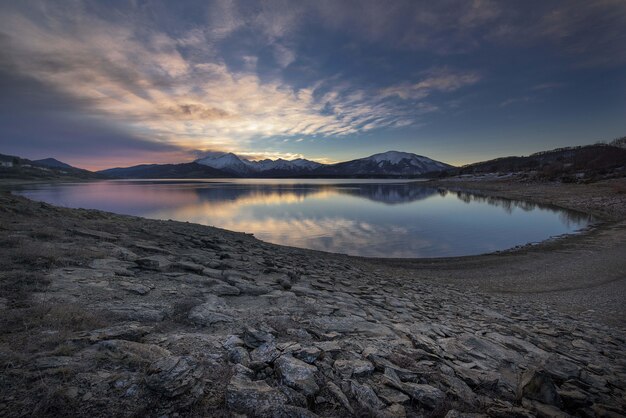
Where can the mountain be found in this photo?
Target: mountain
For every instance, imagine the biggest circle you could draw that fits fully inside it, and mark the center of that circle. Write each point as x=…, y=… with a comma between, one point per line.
x=588, y=162
x=228, y=162
x=21, y=168
x=53, y=163
x=240, y=166
x=173, y=171
x=390, y=163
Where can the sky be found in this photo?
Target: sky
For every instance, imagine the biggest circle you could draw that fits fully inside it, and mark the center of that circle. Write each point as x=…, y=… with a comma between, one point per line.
x=101, y=84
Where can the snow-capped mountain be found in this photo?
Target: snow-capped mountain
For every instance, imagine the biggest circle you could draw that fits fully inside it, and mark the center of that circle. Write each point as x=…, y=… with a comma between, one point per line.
x=228, y=162
x=386, y=163
x=234, y=164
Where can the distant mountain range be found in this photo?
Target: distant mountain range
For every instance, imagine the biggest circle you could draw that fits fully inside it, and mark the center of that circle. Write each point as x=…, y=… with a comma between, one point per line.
x=220, y=164
x=13, y=167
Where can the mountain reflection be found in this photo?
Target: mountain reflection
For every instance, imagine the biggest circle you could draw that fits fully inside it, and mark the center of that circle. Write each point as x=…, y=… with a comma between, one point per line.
x=375, y=219
x=280, y=193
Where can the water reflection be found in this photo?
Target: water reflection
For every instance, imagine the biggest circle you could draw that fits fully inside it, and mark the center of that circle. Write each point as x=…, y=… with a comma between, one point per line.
x=376, y=219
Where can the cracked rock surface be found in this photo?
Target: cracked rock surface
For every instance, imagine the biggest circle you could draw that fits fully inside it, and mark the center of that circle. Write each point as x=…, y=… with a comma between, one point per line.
x=107, y=315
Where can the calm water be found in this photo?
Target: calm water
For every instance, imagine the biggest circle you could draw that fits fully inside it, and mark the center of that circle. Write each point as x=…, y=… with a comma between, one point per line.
x=374, y=218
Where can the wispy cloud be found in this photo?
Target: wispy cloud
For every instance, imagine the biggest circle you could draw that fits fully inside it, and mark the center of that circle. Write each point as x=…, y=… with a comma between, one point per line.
x=145, y=81
x=433, y=80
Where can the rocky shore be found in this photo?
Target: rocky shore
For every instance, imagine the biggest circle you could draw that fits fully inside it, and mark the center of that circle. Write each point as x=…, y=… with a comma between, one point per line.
x=109, y=315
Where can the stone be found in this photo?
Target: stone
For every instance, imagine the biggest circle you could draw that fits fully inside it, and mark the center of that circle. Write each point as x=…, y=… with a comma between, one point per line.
x=188, y=266
x=297, y=374
x=136, y=288
x=339, y=396
x=132, y=332
x=210, y=312
x=358, y=368
x=130, y=352
x=155, y=262
x=537, y=385
x=265, y=353
x=225, y=290
x=119, y=267
x=239, y=355
x=394, y=411
x=251, y=397
x=365, y=396
x=392, y=396
x=426, y=395
x=232, y=341
x=308, y=354
x=560, y=368
x=457, y=414
x=253, y=338
x=176, y=375
x=381, y=363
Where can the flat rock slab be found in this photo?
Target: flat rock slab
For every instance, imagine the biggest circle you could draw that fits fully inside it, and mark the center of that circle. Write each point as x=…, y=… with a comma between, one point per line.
x=297, y=374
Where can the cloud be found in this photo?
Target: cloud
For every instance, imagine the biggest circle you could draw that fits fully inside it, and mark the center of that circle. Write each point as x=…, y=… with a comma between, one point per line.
x=434, y=80
x=152, y=85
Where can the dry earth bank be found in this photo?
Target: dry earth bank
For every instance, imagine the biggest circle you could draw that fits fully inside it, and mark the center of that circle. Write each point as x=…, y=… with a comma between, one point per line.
x=109, y=315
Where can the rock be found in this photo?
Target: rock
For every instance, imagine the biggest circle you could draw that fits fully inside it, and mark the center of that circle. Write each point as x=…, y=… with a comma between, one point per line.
x=3, y=303
x=331, y=347
x=537, y=385
x=286, y=411
x=155, y=262
x=543, y=410
x=250, y=397
x=225, y=290
x=560, y=368
x=308, y=354
x=132, y=331
x=366, y=397
x=340, y=396
x=253, y=338
x=357, y=368
x=141, y=312
x=119, y=267
x=175, y=376
x=394, y=411
x=135, y=288
x=239, y=355
x=232, y=341
x=382, y=363
x=188, y=266
x=392, y=396
x=265, y=353
x=55, y=362
x=130, y=352
x=90, y=233
x=425, y=343
x=209, y=313
x=456, y=414
x=426, y=395
x=297, y=374
x=123, y=253
x=348, y=325
x=574, y=398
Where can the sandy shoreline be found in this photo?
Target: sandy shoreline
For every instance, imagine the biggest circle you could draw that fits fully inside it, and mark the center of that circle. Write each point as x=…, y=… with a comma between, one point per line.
x=158, y=317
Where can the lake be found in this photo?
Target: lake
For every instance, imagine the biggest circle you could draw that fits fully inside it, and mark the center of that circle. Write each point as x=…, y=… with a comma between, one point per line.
x=372, y=218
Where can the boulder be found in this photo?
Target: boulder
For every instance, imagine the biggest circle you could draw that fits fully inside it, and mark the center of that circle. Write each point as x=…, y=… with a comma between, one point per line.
x=348, y=368
x=155, y=262
x=297, y=374
x=174, y=376
x=426, y=395
x=366, y=397
x=253, y=338
x=537, y=385
x=251, y=397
